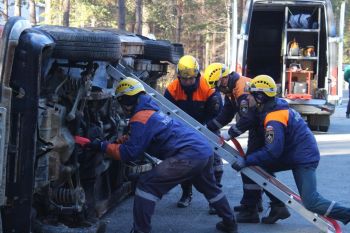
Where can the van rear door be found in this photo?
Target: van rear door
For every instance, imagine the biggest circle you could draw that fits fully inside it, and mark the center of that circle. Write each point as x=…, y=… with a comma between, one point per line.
x=335, y=73
x=340, y=51
x=243, y=38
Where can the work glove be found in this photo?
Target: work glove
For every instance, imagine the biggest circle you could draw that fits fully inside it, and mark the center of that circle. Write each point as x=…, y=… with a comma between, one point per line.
x=234, y=131
x=98, y=145
x=122, y=139
x=225, y=135
x=239, y=164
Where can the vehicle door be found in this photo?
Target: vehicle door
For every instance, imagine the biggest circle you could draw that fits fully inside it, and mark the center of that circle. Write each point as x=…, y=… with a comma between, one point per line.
x=243, y=37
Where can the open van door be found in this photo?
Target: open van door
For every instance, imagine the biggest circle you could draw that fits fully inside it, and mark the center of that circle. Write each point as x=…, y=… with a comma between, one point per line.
x=243, y=38
x=340, y=51
x=335, y=81
x=234, y=40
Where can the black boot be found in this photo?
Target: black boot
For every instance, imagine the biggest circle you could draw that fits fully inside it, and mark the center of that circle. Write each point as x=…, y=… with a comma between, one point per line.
x=227, y=226
x=242, y=207
x=186, y=197
x=278, y=211
x=185, y=200
x=248, y=215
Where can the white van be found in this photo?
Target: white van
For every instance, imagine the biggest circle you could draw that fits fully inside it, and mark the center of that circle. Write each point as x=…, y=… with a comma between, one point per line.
x=296, y=43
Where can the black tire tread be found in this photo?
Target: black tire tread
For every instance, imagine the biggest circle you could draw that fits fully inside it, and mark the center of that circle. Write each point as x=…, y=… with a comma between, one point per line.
x=83, y=44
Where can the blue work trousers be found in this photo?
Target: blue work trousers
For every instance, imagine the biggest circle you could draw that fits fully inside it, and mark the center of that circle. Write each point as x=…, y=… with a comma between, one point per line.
x=305, y=179
x=165, y=176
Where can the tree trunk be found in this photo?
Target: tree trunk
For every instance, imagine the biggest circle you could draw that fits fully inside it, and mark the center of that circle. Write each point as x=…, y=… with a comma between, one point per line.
x=138, y=17
x=5, y=14
x=18, y=5
x=179, y=11
x=32, y=12
x=121, y=16
x=228, y=34
x=66, y=10
x=48, y=12
x=207, y=48
x=213, y=48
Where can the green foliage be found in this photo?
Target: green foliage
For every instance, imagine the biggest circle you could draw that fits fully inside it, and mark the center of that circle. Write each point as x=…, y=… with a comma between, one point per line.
x=201, y=20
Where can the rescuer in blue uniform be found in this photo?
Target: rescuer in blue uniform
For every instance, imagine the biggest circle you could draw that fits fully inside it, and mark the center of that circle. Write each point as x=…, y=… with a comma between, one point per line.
x=232, y=85
x=193, y=95
x=289, y=145
x=185, y=154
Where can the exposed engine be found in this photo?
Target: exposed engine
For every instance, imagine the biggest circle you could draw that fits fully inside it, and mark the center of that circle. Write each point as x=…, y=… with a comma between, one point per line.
x=70, y=179
x=55, y=86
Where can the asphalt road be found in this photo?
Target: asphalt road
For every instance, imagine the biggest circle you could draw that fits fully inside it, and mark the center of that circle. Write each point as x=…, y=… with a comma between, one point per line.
x=333, y=177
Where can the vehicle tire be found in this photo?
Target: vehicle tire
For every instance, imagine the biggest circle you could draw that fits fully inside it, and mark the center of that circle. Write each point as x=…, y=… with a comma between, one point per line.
x=177, y=52
x=79, y=44
x=319, y=122
x=159, y=50
x=312, y=122
x=323, y=128
x=323, y=122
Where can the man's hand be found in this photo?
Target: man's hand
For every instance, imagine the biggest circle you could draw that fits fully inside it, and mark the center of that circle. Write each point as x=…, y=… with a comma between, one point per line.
x=122, y=139
x=239, y=164
x=97, y=145
x=225, y=135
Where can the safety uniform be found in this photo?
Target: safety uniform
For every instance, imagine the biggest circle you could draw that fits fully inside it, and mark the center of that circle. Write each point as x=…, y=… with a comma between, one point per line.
x=199, y=102
x=290, y=145
x=202, y=103
x=237, y=102
x=186, y=155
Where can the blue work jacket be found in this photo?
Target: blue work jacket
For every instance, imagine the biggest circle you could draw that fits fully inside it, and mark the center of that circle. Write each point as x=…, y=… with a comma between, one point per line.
x=156, y=133
x=288, y=140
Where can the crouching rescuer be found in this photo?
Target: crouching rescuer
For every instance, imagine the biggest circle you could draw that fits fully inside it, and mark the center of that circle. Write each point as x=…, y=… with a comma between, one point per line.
x=289, y=145
x=185, y=154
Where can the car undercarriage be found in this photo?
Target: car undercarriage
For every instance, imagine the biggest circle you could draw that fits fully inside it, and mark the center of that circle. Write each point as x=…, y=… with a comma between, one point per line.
x=54, y=88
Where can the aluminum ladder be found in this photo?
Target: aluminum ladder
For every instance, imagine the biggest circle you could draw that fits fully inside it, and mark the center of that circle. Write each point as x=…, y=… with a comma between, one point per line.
x=258, y=175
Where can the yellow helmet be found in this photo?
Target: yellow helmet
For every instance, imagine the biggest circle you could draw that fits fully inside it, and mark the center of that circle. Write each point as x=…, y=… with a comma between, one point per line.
x=263, y=83
x=129, y=86
x=187, y=67
x=214, y=72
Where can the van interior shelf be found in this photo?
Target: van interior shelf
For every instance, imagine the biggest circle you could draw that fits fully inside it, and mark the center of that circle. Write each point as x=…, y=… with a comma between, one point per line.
x=302, y=30
x=301, y=58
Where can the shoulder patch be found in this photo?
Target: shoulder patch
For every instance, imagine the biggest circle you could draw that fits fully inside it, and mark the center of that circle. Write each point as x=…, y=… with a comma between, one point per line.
x=269, y=134
x=243, y=108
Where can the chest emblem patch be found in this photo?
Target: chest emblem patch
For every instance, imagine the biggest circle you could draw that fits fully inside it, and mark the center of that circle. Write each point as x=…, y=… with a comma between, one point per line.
x=269, y=134
x=243, y=107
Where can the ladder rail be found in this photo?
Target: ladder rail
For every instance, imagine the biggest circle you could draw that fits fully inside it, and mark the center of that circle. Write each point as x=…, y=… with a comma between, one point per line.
x=257, y=174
